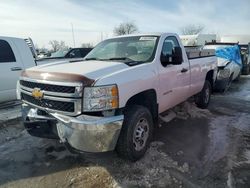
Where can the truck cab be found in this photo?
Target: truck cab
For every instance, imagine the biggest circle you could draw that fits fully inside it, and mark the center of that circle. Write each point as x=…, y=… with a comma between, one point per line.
x=15, y=56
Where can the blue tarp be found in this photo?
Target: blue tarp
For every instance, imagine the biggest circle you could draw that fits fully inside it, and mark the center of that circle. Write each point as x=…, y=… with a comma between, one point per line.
x=231, y=53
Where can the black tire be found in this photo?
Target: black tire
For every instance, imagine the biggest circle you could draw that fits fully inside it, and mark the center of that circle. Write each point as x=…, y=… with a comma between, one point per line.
x=230, y=80
x=247, y=70
x=238, y=77
x=203, y=98
x=125, y=145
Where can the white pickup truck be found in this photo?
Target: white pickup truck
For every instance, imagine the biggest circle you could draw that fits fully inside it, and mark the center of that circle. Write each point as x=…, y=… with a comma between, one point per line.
x=112, y=99
x=15, y=55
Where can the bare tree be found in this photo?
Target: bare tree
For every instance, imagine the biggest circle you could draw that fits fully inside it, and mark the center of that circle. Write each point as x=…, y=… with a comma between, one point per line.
x=87, y=45
x=57, y=45
x=125, y=28
x=192, y=29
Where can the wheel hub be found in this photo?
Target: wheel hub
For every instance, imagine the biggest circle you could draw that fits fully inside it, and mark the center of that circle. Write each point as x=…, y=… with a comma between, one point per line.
x=207, y=92
x=140, y=136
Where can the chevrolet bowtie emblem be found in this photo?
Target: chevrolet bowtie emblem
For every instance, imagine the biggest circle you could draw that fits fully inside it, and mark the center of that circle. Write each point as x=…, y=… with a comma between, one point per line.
x=37, y=93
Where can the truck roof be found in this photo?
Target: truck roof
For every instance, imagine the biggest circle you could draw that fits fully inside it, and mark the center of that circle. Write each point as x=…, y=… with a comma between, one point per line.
x=12, y=38
x=28, y=41
x=158, y=34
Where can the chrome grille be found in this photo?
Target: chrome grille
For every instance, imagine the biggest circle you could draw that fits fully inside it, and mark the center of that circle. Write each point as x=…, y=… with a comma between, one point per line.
x=61, y=97
x=50, y=104
x=48, y=87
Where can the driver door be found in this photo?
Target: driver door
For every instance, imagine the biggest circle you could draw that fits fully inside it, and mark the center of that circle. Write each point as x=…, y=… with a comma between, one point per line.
x=174, y=79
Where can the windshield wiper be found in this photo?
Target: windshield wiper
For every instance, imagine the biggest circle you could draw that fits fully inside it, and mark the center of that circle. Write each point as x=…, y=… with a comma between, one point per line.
x=118, y=58
x=109, y=59
x=128, y=61
x=133, y=63
x=93, y=58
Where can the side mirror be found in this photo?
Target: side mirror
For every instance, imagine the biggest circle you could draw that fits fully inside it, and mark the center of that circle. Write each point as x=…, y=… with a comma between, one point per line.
x=177, y=56
x=166, y=59
x=174, y=59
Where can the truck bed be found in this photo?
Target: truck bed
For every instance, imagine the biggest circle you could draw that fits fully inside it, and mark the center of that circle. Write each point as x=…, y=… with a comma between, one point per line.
x=197, y=52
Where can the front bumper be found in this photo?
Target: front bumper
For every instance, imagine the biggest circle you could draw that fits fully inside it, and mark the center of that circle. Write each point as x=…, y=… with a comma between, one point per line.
x=84, y=133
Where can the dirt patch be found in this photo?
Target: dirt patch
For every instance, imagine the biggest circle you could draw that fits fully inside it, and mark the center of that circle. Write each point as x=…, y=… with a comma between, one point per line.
x=10, y=130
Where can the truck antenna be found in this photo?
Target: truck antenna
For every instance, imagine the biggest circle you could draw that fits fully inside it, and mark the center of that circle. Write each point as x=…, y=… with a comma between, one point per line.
x=73, y=35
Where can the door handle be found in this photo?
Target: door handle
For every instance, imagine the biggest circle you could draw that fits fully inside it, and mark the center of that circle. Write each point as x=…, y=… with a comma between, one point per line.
x=16, y=68
x=184, y=70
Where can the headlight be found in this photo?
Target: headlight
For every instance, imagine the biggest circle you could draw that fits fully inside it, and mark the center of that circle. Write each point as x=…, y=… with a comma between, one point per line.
x=223, y=73
x=100, y=98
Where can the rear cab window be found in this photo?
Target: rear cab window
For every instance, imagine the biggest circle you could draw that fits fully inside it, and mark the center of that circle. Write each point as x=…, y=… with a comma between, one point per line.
x=6, y=53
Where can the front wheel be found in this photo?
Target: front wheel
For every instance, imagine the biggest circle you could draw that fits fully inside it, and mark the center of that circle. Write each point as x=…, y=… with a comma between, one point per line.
x=228, y=85
x=136, y=133
x=238, y=77
x=203, y=98
x=248, y=70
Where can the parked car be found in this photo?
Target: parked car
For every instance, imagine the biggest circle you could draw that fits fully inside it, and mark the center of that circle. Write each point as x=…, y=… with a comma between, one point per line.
x=245, y=50
x=15, y=55
x=229, y=63
x=112, y=99
x=73, y=54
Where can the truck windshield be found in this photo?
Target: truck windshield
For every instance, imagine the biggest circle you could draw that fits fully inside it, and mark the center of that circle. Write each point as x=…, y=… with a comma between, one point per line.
x=125, y=49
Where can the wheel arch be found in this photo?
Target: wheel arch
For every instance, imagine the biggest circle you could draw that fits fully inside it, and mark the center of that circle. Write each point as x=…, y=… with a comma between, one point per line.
x=148, y=99
x=210, y=77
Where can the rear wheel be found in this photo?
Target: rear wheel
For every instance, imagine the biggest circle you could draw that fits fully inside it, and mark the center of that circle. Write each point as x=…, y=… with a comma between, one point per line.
x=247, y=69
x=136, y=133
x=203, y=98
x=228, y=83
x=238, y=77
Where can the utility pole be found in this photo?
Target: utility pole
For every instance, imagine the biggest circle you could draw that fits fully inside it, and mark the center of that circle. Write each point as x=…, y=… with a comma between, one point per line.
x=73, y=35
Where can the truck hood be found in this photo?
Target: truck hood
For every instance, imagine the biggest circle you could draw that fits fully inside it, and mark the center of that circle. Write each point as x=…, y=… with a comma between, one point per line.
x=90, y=69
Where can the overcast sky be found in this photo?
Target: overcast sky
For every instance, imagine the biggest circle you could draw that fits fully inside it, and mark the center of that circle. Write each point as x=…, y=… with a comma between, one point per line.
x=47, y=20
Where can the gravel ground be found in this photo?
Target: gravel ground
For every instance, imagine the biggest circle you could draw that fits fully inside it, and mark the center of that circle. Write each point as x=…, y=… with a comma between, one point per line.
x=197, y=148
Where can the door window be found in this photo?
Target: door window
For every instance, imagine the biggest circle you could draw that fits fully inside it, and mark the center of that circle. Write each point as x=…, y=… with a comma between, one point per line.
x=169, y=47
x=85, y=51
x=75, y=53
x=6, y=53
x=169, y=44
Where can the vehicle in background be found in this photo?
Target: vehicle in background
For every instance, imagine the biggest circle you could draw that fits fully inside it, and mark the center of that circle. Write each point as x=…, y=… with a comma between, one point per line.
x=245, y=50
x=240, y=39
x=229, y=68
x=16, y=55
x=43, y=53
x=197, y=40
x=112, y=99
x=243, y=41
x=70, y=55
